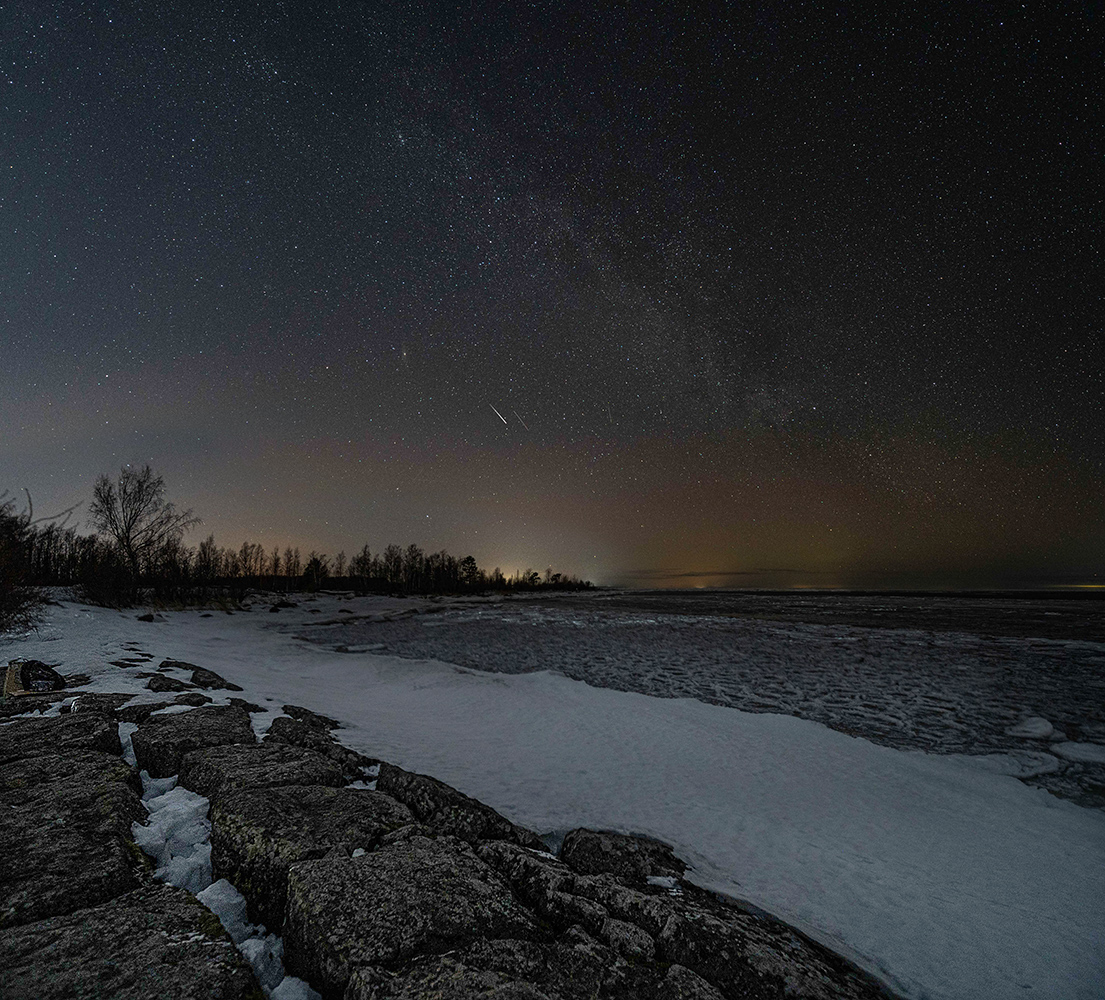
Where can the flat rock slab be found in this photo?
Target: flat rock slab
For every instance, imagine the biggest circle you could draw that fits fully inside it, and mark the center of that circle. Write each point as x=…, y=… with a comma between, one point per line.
x=253, y=765
x=162, y=740
x=156, y=941
x=82, y=731
x=445, y=810
x=306, y=732
x=258, y=834
x=65, y=823
x=385, y=907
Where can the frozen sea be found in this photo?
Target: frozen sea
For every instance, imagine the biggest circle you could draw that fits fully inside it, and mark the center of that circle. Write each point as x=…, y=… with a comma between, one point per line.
x=942, y=673
x=866, y=768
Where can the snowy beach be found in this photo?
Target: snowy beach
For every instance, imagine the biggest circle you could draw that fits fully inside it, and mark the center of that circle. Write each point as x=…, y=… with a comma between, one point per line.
x=869, y=796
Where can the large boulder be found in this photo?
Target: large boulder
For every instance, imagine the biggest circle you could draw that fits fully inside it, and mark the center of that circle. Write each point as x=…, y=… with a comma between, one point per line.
x=258, y=834
x=34, y=675
x=251, y=765
x=445, y=810
x=416, y=895
x=156, y=941
x=162, y=740
x=65, y=827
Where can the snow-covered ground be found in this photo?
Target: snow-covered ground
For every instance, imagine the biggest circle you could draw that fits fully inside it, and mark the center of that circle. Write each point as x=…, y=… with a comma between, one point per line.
x=941, y=873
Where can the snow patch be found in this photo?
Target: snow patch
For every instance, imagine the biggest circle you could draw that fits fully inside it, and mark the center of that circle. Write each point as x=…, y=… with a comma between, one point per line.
x=1084, y=753
x=1034, y=728
x=126, y=731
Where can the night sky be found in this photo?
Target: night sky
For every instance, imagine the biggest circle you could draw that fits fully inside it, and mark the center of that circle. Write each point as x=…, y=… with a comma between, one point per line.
x=764, y=295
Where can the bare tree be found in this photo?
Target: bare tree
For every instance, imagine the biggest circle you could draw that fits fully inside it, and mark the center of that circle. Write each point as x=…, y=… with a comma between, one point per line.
x=134, y=512
x=21, y=605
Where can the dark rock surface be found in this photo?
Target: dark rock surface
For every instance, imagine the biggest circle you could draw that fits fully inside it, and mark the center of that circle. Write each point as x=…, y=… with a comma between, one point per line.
x=160, y=683
x=255, y=765
x=444, y=809
x=155, y=941
x=597, y=852
x=37, y=676
x=162, y=740
x=64, y=829
x=741, y=952
x=95, y=701
x=414, y=896
x=69, y=732
x=313, y=719
x=258, y=834
x=296, y=732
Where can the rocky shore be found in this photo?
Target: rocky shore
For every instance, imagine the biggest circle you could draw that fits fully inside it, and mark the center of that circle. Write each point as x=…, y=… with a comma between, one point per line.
x=384, y=884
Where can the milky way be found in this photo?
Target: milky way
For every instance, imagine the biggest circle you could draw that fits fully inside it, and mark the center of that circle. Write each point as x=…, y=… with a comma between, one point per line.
x=772, y=296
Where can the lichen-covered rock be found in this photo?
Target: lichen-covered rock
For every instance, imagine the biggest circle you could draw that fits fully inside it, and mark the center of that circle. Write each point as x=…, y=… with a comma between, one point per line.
x=737, y=951
x=443, y=978
x=385, y=907
x=256, y=835
x=446, y=810
x=597, y=852
x=65, y=823
x=156, y=941
x=84, y=731
x=682, y=984
x=546, y=885
x=575, y=967
x=162, y=740
x=308, y=734
x=255, y=765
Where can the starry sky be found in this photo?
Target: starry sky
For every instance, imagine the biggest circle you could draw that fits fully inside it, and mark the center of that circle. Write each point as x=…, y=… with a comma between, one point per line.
x=765, y=294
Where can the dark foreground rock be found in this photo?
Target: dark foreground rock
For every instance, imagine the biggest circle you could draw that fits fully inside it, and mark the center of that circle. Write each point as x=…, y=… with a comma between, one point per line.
x=409, y=890
x=34, y=737
x=156, y=941
x=65, y=823
x=418, y=895
x=250, y=765
x=445, y=810
x=257, y=835
x=308, y=733
x=162, y=740
x=599, y=852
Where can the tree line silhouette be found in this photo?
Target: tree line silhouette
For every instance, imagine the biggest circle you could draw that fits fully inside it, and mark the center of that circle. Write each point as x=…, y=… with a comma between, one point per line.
x=136, y=552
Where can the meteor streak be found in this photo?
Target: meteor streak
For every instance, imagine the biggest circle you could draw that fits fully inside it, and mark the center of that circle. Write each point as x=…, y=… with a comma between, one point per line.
x=520, y=420
x=498, y=414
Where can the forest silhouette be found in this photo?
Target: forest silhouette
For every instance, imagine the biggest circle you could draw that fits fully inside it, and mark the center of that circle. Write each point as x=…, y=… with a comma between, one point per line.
x=136, y=554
